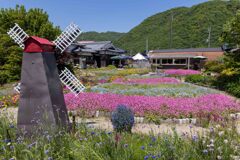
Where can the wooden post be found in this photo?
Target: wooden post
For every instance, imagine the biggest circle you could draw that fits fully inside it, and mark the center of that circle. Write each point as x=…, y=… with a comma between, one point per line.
x=188, y=62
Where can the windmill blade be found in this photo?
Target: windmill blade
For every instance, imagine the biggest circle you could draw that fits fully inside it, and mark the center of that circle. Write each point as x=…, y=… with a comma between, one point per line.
x=67, y=37
x=18, y=35
x=17, y=88
x=71, y=82
x=68, y=79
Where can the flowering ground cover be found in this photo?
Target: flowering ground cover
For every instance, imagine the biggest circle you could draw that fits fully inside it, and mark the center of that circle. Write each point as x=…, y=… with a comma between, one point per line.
x=9, y=100
x=169, y=90
x=181, y=72
x=159, y=105
x=161, y=80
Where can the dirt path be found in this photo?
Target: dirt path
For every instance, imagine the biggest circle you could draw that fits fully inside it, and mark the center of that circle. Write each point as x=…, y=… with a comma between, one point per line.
x=105, y=124
x=151, y=128
x=143, y=128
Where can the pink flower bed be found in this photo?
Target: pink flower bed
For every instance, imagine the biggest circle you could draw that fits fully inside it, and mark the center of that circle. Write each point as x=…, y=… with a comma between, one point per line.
x=163, y=106
x=163, y=80
x=181, y=72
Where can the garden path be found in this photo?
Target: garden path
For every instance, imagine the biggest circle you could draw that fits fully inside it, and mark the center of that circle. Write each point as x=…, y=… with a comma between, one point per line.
x=150, y=128
x=105, y=124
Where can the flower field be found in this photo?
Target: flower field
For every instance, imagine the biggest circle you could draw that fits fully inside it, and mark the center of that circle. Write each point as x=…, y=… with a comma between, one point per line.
x=162, y=80
x=159, y=105
x=169, y=90
x=181, y=72
x=161, y=96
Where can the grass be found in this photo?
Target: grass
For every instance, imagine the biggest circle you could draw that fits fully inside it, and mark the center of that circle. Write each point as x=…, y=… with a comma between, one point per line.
x=88, y=143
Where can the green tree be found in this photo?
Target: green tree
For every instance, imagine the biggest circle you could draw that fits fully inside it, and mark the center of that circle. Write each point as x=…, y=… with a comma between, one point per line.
x=229, y=80
x=231, y=36
x=189, y=27
x=34, y=22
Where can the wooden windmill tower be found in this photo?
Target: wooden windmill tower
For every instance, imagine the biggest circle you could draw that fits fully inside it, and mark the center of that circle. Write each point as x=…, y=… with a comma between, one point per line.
x=41, y=96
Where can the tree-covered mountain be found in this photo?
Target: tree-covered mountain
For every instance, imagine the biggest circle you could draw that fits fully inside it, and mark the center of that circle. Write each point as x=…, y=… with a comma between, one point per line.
x=100, y=36
x=181, y=27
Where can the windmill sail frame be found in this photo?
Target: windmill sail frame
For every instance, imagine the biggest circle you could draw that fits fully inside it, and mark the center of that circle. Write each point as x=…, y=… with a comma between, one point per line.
x=67, y=37
x=71, y=82
x=18, y=35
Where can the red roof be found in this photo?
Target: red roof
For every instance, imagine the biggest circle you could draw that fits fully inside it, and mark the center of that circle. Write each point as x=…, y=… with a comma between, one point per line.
x=42, y=40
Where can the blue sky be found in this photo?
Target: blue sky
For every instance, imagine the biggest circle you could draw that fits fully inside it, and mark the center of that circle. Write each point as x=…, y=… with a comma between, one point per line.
x=100, y=15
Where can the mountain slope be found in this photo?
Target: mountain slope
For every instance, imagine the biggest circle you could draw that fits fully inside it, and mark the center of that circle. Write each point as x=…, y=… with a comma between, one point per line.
x=102, y=36
x=189, y=27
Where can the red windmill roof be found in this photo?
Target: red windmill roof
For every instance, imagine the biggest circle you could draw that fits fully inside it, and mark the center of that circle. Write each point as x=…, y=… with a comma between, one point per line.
x=42, y=40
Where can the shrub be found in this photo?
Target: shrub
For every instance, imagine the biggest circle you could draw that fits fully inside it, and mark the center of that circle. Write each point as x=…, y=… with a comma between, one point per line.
x=214, y=66
x=126, y=72
x=199, y=79
x=234, y=89
x=122, y=119
x=3, y=78
x=111, y=67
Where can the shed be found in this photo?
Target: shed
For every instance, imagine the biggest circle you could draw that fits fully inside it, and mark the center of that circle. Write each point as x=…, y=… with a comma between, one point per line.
x=36, y=44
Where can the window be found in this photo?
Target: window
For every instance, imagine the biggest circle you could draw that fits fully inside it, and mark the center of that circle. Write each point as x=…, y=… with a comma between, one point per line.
x=76, y=61
x=167, y=61
x=180, y=61
x=158, y=61
x=154, y=60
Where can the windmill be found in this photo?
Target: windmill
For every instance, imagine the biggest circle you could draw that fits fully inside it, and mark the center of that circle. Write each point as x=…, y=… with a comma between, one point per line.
x=41, y=97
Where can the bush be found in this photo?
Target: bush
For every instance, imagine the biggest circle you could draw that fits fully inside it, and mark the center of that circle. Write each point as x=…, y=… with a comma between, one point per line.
x=126, y=72
x=3, y=78
x=214, y=66
x=111, y=67
x=122, y=119
x=199, y=79
x=234, y=89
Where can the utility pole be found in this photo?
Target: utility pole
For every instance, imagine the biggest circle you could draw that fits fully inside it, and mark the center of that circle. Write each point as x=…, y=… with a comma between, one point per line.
x=147, y=45
x=209, y=36
x=171, y=30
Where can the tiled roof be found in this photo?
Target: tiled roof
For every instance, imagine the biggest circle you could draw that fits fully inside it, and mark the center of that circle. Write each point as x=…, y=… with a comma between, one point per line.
x=187, y=50
x=173, y=56
x=94, y=47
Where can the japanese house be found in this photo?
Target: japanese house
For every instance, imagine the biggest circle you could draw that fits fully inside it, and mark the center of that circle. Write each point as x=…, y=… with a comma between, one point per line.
x=183, y=58
x=91, y=53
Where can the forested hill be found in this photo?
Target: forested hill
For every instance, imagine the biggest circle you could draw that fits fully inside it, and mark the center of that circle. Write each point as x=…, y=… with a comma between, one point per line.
x=190, y=27
x=100, y=36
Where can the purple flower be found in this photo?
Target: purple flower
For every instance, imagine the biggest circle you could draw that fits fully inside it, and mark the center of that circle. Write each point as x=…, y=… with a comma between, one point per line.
x=146, y=157
x=154, y=139
x=142, y=147
x=164, y=106
x=12, y=147
x=154, y=157
x=205, y=151
x=194, y=138
x=31, y=145
x=125, y=145
x=46, y=151
x=181, y=72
